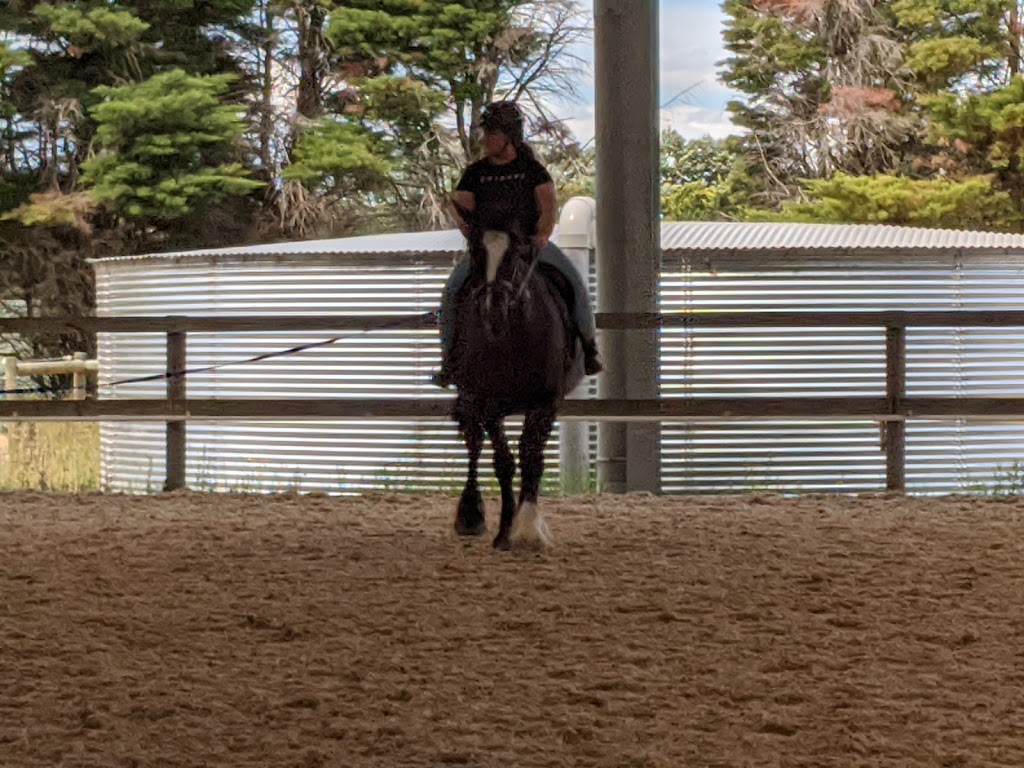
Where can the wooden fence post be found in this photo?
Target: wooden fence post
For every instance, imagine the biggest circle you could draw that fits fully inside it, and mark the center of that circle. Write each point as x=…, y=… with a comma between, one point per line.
x=177, y=391
x=895, y=390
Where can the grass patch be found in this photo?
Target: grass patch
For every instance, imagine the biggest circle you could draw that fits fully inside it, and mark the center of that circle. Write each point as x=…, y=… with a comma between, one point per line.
x=50, y=456
x=1006, y=481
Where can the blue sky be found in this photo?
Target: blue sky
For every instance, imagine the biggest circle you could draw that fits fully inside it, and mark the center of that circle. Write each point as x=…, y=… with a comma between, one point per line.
x=691, y=43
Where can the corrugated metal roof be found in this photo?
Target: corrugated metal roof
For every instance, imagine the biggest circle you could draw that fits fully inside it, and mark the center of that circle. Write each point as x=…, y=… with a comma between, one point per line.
x=447, y=242
x=676, y=237
x=681, y=236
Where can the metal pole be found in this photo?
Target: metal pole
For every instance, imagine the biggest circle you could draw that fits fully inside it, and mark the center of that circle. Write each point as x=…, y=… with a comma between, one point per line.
x=628, y=229
x=177, y=391
x=895, y=391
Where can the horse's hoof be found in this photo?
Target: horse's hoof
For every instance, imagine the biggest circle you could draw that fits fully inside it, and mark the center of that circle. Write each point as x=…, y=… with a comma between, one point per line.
x=464, y=528
x=470, y=519
x=501, y=542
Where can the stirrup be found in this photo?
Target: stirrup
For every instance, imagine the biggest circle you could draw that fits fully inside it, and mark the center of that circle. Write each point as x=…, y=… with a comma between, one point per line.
x=441, y=378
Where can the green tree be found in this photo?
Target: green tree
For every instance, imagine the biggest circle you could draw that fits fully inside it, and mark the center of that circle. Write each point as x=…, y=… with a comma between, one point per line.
x=167, y=148
x=974, y=203
x=73, y=48
x=449, y=47
x=573, y=170
x=966, y=58
x=694, y=201
x=982, y=132
x=825, y=90
x=958, y=44
x=706, y=160
x=334, y=164
x=421, y=71
x=15, y=182
x=837, y=89
x=701, y=178
x=56, y=55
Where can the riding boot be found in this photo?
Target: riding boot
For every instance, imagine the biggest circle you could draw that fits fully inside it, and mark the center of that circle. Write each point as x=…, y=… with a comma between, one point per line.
x=443, y=376
x=592, y=364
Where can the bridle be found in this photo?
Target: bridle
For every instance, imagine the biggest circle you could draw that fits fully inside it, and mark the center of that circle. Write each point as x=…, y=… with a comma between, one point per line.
x=505, y=292
x=515, y=287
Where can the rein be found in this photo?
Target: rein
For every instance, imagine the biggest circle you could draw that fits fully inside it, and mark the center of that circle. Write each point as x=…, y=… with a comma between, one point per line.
x=534, y=258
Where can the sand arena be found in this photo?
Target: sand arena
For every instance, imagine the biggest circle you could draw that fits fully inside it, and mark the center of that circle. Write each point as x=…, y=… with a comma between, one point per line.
x=199, y=630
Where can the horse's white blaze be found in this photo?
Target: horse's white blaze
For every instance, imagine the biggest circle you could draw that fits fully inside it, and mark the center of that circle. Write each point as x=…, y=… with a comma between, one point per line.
x=528, y=526
x=496, y=244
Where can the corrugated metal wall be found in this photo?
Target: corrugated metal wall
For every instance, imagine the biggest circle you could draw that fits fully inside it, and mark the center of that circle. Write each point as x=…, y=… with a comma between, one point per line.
x=791, y=456
x=336, y=456
x=942, y=456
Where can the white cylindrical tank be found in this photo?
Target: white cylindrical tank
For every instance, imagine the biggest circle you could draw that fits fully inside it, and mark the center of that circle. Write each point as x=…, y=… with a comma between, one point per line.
x=577, y=237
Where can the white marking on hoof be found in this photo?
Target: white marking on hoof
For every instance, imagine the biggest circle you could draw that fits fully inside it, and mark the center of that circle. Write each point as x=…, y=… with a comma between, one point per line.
x=528, y=527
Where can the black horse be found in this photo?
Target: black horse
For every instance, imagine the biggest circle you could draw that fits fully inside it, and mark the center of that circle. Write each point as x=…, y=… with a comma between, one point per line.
x=516, y=351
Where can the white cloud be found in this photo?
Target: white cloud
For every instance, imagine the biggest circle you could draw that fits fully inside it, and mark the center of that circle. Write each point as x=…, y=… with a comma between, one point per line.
x=691, y=122
x=690, y=47
x=697, y=122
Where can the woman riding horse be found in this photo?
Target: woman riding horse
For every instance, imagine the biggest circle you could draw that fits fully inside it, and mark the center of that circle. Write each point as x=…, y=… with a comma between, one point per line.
x=509, y=182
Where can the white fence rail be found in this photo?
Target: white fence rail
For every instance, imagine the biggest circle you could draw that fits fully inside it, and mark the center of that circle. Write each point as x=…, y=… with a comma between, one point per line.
x=77, y=365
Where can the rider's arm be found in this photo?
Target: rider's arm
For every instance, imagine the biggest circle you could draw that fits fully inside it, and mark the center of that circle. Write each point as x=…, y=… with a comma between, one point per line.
x=467, y=200
x=547, y=204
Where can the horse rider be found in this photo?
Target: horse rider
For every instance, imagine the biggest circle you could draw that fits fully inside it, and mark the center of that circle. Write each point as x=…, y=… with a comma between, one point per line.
x=510, y=182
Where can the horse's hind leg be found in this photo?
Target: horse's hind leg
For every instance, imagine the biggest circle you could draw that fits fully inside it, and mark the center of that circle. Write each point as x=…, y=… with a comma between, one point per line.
x=530, y=528
x=469, y=520
x=505, y=471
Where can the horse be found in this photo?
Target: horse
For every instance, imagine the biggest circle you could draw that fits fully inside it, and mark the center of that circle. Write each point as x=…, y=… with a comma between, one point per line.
x=515, y=351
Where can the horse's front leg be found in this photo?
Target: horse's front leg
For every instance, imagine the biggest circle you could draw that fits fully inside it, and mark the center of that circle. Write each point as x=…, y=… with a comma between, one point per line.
x=504, y=470
x=469, y=520
x=529, y=528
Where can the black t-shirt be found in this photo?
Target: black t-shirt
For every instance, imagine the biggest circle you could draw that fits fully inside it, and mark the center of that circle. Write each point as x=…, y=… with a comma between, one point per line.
x=504, y=191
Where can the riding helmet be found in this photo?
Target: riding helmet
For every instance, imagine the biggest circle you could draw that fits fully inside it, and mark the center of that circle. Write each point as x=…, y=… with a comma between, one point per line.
x=504, y=116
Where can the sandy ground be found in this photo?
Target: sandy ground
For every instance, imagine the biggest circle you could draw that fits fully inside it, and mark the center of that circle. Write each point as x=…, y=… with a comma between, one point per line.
x=194, y=630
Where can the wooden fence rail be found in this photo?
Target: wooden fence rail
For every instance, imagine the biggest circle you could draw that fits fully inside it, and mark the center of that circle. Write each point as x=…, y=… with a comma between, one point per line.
x=176, y=409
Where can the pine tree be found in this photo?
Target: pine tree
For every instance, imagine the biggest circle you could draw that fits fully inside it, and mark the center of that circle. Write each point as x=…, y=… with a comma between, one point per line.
x=957, y=44
x=899, y=91
x=825, y=89
x=167, y=148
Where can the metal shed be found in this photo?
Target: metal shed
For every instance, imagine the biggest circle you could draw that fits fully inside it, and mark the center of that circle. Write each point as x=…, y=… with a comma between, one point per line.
x=705, y=267
x=804, y=267
x=400, y=274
